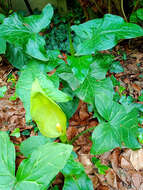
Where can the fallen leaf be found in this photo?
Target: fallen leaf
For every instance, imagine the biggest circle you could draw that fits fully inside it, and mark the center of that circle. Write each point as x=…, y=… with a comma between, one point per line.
x=71, y=132
x=141, y=187
x=125, y=163
x=115, y=159
x=83, y=114
x=102, y=187
x=137, y=179
x=111, y=178
x=136, y=88
x=136, y=159
x=94, y=180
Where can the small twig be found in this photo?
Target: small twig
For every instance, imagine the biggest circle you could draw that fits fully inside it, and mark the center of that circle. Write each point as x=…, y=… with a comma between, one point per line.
x=28, y=6
x=136, y=5
x=109, y=6
x=98, y=8
x=123, y=12
x=80, y=134
x=72, y=50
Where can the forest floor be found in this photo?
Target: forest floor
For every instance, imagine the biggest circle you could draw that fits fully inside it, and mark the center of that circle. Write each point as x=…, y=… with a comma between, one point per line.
x=126, y=166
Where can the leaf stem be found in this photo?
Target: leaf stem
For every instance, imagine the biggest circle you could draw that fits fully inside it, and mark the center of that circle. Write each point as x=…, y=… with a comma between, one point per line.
x=80, y=134
x=123, y=12
x=64, y=139
x=136, y=5
x=72, y=50
x=28, y=6
x=98, y=8
x=109, y=6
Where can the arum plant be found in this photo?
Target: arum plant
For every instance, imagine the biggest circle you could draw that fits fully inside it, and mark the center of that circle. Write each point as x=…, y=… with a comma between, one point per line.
x=82, y=75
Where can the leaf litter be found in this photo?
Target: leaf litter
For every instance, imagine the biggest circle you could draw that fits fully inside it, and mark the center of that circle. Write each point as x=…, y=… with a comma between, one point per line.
x=125, y=166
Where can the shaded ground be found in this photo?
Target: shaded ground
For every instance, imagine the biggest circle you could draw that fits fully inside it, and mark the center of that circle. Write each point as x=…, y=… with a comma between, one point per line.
x=126, y=166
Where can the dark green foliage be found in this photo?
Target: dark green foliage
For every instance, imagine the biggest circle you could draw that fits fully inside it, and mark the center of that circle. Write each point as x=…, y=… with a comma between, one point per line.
x=80, y=74
x=48, y=157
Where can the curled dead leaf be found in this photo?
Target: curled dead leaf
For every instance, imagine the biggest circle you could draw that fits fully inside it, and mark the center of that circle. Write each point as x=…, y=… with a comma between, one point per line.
x=136, y=159
x=111, y=178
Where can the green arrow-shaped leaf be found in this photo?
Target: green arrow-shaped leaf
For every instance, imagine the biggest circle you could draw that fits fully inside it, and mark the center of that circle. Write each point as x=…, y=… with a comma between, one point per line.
x=7, y=163
x=75, y=176
x=80, y=66
x=45, y=162
x=23, y=32
x=121, y=128
x=104, y=33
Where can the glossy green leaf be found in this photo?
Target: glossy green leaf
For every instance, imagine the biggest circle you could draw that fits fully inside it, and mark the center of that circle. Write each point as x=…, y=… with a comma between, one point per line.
x=64, y=72
x=116, y=67
x=38, y=22
x=121, y=128
x=80, y=66
x=97, y=70
x=33, y=70
x=104, y=33
x=133, y=18
x=140, y=13
x=137, y=16
x=101, y=64
x=104, y=105
x=17, y=30
x=28, y=185
x=24, y=85
x=14, y=31
x=70, y=107
x=53, y=61
x=23, y=32
x=91, y=86
x=7, y=162
x=2, y=17
x=44, y=164
x=3, y=90
x=101, y=167
x=75, y=176
x=16, y=56
x=35, y=47
x=32, y=143
x=51, y=120
x=2, y=46
x=140, y=135
x=15, y=133
x=70, y=79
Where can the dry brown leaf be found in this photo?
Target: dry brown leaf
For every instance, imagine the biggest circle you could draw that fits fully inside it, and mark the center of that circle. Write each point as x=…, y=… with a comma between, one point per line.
x=125, y=163
x=83, y=114
x=71, y=132
x=137, y=180
x=141, y=187
x=94, y=180
x=103, y=187
x=136, y=159
x=115, y=159
x=111, y=178
x=136, y=88
x=122, y=186
x=105, y=158
x=124, y=176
